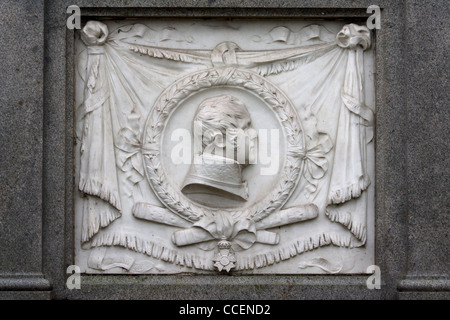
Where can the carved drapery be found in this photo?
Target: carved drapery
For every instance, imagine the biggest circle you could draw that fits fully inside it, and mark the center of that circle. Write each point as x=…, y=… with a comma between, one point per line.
x=123, y=73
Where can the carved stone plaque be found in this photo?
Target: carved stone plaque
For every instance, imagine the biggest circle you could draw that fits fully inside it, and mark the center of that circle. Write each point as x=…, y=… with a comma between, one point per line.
x=218, y=146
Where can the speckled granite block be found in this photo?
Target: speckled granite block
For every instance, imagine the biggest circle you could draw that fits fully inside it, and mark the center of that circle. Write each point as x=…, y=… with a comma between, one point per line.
x=21, y=147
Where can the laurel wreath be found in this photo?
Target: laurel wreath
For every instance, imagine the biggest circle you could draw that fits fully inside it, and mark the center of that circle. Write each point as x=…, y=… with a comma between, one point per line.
x=185, y=87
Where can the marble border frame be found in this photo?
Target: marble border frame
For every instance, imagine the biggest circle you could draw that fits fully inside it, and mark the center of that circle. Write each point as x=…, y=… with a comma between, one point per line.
x=391, y=192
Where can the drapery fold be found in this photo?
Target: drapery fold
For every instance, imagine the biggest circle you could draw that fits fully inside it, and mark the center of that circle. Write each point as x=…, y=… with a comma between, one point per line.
x=349, y=176
x=117, y=94
x=97, y=168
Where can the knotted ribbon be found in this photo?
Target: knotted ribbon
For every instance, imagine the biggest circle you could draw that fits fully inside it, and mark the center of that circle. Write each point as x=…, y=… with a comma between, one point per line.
x=207, y=231
x=130, y=153
x=316, y=165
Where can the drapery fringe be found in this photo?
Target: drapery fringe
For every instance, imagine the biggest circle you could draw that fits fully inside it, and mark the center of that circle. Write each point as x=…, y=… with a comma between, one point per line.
x=345, y=218
x=161, y=252
x=351, y=191
x=289, y=65
x=161, y=53
x=294, y=248
x=152, y=249
x=95, y=188
x=283, y=66
x=96, y=220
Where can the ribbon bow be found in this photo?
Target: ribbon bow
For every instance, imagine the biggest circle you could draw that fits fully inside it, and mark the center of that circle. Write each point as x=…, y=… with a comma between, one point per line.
x=129, y=158
x=316, y=165
x=207, y=231
x=130, y=155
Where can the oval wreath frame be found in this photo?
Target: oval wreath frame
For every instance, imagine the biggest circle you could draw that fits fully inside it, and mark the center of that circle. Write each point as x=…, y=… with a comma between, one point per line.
x=180, y=90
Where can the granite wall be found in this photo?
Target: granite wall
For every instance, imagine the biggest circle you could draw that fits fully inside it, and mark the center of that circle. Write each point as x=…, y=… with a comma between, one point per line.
x=36, y=154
